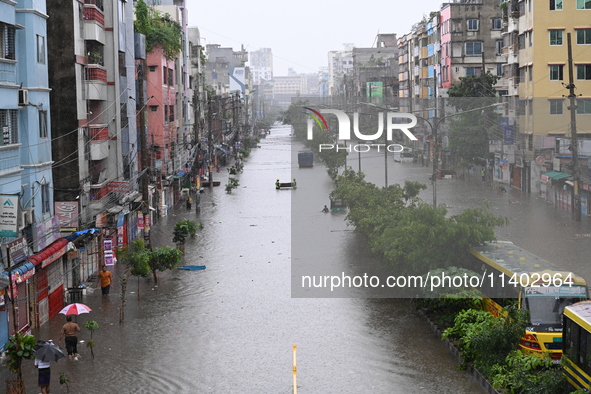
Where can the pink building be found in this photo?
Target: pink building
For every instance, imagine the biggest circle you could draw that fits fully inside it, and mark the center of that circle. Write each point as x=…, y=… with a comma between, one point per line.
x=162, y=119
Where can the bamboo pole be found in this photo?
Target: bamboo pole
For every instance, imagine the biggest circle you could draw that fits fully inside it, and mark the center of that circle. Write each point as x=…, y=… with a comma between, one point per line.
x=295, y=378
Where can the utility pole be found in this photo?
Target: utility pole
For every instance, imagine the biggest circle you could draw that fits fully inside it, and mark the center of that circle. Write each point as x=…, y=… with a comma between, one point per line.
x=209, y=141
x=144, y=150
x=573, y=130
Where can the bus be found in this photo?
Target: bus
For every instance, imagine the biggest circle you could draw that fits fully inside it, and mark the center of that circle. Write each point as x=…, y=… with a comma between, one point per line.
x=511, y=274
x=576, y=345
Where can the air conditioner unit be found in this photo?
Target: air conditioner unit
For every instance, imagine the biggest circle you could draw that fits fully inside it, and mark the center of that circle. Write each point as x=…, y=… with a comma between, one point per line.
x=22, y=220
x=23, y=97
x=30, y=216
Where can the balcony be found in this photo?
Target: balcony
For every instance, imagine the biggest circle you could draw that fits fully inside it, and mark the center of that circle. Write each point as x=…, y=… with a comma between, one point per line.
x=99, y=191
x=96, y=80
x=99, y=132
x=93, y=14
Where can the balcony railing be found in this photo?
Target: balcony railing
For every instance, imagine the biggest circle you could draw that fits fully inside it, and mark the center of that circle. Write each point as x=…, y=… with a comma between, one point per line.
x=95, y=74
x=99, y=132
x=93, y=14
x=98, y=193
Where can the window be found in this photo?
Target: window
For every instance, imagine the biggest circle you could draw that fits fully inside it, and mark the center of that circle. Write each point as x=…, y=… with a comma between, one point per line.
x=556, y=107
x=530, y=107
x=165, y=114
x=555, y=37
x=530, y=71
x=500, y=69
x=583, y=36
x=473, y=48
x=556, y=72
x=521, y=41
x=583, y=4
x=584, y=71
x=472, y=71
x=45, y=198
x=472, y=24
x=522, y=75
x=170, y=77
x=9, y=126
x=583, y=106
x=40, y=49
x=555, y=5
x=6, y=41
x=497, y=24
x=530, y=142
x=531, y=38
x=171, y=113
x=153, y=108
x=499, y=47
x=164, y=76
x=42, y=124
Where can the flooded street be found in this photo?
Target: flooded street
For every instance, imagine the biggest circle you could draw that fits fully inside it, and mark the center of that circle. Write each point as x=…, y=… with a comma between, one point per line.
x=230, y=328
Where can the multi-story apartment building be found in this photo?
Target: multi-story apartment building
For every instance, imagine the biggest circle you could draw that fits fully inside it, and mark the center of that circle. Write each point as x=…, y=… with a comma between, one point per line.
x=471, y=38
x=340, y=63
x=29, y=221
x=545, y=118
x=261, y=65
x=220, y=65
x=93, y=122
x=375, y=66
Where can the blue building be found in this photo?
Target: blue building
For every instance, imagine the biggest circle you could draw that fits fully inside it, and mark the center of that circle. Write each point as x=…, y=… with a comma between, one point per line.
x=25, y=152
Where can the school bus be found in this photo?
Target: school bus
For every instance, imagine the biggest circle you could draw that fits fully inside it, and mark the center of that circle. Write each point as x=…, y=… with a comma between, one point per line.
x=511, y=274
x=576, y=345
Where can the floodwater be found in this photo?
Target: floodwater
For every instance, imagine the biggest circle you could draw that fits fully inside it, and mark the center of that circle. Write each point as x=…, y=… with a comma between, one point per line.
x=231, y=327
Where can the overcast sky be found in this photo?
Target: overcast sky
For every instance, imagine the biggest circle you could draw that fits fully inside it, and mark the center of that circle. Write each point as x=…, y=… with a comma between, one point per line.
x=301, y=33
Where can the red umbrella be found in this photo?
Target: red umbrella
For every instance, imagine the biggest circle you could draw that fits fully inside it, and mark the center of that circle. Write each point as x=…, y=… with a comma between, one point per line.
x=75, y=309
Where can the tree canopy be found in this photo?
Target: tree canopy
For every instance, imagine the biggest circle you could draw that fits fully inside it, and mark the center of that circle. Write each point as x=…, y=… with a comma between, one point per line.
x=405, y=231
x=159, y=29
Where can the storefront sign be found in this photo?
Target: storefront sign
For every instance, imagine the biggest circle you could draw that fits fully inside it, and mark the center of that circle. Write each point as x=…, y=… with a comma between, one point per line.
x=18, y=278
x=8, y=216
x=140, y=221
x=108, y=248
x=67, y=212
x=54, y=257
x=18, y=250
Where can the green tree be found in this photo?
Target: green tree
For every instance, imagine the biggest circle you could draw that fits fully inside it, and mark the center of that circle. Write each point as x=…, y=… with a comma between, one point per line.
x=408, y=233
x=471, y=131
x=136, y=257
x=18, y=348
x=164, y=258
x=91, y=325
x=159, y=29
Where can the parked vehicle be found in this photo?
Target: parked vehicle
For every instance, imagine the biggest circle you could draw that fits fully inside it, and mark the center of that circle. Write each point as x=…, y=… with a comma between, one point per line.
x=575, y=345
x=405, y=156
x=511, y=274
x=306, y=158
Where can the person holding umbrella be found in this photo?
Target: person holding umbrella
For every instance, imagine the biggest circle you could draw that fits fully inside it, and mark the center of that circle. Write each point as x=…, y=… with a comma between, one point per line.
x=69, y=331
x=45, y=353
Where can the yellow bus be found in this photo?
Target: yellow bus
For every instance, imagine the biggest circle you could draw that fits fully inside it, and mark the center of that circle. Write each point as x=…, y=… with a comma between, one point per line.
x=511, y=274
x=576, y=345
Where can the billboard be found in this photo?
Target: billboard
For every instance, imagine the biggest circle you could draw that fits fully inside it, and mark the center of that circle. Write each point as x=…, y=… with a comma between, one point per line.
x=374, y=92
x=8, y=215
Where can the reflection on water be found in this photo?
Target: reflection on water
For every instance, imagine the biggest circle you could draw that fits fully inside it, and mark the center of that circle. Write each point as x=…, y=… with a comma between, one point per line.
x=230, y=328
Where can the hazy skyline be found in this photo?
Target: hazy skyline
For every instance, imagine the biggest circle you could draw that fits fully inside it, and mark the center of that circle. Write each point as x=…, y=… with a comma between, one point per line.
x=302, y=34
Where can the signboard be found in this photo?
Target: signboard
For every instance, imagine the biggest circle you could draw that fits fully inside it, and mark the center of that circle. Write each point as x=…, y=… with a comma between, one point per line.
x=101, y=220
x=119, y=187
x=8, y=216
x=18, y=251
x=108, y=248
x=18, y=278
x=237, y=78
x=374, y=92
x=67, y=212
x=140, y=221
x=53, y=257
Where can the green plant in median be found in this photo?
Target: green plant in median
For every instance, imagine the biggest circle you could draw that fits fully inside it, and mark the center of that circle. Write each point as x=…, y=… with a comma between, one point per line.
x=164, y=258
x=233, y=184
x=183, y=229
x=136, y=257
x=18, y=348
x=485, y=340
x=528, y=374
x=64, y=379
x=91, y=325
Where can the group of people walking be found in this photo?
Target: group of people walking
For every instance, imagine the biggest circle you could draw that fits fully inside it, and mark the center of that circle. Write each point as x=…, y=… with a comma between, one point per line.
x=69, y=333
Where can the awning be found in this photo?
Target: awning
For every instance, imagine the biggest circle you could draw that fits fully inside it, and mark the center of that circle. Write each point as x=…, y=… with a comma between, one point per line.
x=50, y=253
x=223, y=150
x=19, y=274
x=555, y=175
x=179, y=174
x=73, y=236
